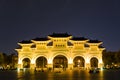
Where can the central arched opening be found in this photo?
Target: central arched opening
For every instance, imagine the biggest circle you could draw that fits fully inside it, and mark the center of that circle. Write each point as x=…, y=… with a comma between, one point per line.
x=79, y=62
x=94, y=62
x=26, y=63
x=41, y=62
x=60, y=61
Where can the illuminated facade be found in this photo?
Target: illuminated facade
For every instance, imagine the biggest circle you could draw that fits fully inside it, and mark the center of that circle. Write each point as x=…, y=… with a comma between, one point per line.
x=60, y=50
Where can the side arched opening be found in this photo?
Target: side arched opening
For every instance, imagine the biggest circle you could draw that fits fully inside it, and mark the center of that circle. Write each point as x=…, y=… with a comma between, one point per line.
x=94, y=62
x=26, y=63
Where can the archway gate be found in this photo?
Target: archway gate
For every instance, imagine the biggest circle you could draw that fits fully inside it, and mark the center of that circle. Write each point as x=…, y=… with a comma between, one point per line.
x=60, y=50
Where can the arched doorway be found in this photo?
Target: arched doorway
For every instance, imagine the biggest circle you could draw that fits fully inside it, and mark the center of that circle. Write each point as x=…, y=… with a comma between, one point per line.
x=26, y=63
x=79, y=62
x=60, y=61
x=94, y=62
x=41, y=62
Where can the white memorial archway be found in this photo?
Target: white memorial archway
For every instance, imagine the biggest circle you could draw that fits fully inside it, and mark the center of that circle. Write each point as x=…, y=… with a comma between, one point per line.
x=60, y=50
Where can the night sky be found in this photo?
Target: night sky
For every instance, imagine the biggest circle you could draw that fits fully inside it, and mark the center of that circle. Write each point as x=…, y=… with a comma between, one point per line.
x=28, y=19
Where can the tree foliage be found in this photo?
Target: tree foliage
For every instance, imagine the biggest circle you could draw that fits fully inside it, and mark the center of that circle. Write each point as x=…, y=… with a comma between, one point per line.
x=111, y=57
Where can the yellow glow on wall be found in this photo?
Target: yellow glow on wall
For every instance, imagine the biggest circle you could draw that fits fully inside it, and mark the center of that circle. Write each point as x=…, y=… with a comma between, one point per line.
x=19, y=61
x=32, y=61
x=70, y=61
x=49, y=61
x=100, y=61
x=87, y=60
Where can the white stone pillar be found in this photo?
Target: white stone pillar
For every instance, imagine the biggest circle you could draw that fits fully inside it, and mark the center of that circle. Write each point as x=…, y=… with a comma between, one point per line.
x=20, y=66
x=70, y=66
x=87, y=65
x=32, y=66
x=100, y=65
